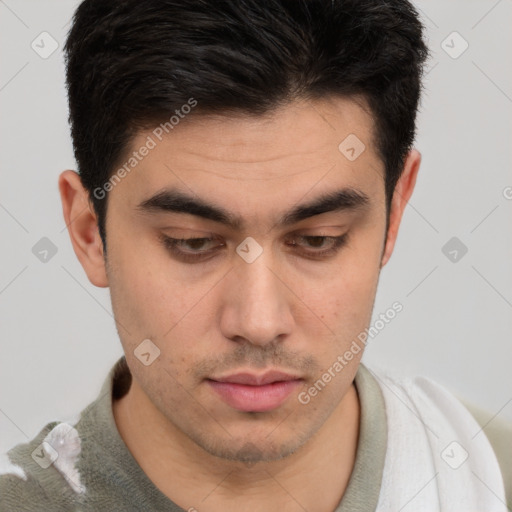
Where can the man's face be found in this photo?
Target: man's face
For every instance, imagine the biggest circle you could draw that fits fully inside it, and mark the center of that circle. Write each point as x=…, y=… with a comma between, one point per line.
x=215, y=311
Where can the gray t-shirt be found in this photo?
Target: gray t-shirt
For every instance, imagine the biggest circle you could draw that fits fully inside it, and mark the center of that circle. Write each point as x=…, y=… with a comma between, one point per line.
x=107, y=478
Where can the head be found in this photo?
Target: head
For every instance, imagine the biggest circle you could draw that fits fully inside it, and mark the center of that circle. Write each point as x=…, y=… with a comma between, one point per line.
x=278, y=136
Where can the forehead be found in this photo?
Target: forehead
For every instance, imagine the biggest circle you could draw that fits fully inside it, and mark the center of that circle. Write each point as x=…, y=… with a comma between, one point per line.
x=237, y=159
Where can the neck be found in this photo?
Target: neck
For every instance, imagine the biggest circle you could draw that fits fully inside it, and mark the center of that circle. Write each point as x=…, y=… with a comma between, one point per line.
x=192, y=478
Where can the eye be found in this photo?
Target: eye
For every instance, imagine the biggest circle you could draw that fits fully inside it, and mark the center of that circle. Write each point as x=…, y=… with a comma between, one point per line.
x=329, y=245
x=195, y=245
x=196, y=249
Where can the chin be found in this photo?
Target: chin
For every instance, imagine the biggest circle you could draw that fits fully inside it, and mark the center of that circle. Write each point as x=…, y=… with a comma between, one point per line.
x=256, y=450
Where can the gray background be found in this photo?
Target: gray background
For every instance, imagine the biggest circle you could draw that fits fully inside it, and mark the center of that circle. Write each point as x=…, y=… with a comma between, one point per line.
x=57, y=334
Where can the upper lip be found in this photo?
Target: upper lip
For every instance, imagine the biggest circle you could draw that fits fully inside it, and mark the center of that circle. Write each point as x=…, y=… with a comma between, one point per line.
x=257, y=380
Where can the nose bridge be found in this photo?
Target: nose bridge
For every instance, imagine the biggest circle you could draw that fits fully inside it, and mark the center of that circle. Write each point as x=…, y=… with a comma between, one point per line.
x=257, y=302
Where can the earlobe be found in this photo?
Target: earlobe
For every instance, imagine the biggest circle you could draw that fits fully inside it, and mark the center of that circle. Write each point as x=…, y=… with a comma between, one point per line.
x=82, y=226
x=402, y=193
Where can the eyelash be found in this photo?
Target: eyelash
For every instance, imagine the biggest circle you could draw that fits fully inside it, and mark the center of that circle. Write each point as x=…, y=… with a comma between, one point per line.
x=171, y=244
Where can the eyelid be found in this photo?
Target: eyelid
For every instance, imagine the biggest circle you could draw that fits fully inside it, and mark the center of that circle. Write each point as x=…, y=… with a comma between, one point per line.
x=339, y=242
x=202, y=256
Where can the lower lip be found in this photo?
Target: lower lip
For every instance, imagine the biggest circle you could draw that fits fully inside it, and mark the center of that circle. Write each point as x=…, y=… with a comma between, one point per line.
x=255, y=398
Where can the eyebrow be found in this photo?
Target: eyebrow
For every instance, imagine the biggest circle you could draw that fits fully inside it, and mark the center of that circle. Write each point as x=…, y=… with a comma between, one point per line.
x=177, y=201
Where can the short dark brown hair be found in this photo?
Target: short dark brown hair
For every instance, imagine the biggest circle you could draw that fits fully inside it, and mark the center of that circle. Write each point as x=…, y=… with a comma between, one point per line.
x=132, y=63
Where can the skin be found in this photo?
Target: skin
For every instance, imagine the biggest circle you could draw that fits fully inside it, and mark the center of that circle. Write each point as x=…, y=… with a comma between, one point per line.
x=284, y=311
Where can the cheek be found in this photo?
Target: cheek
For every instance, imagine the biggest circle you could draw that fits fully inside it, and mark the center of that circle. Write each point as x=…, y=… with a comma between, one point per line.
x=346, y=308
x=146, y=286
x=344, y=301
x=152, y=300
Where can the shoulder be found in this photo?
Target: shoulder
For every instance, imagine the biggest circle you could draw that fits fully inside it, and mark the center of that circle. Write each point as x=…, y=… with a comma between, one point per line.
x=460, y=435
x=41, y=474
x=499, y=434
x=67, y=463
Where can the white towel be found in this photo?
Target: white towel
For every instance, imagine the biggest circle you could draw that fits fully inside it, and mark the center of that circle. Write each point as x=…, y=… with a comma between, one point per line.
x=438, y=458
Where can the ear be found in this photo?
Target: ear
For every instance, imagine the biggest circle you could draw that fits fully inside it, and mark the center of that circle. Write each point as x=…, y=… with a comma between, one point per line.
x=401, y=196
x=82, y=226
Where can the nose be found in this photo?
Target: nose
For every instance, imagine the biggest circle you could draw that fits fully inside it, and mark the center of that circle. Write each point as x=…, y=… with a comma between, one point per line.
x=256, y=303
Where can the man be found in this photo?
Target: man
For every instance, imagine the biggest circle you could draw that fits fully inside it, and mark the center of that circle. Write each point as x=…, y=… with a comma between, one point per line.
x=244, y=168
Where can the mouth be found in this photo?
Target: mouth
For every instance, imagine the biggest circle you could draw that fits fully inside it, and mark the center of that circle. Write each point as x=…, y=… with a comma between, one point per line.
x=255, y=393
